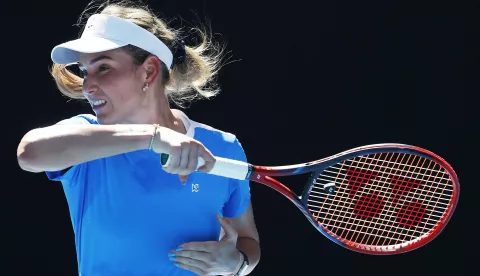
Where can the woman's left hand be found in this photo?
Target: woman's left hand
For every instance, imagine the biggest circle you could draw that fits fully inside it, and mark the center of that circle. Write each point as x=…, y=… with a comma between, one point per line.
x=211, y=257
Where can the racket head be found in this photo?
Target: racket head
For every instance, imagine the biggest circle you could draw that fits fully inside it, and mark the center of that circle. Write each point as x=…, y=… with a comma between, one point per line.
x=381, y=199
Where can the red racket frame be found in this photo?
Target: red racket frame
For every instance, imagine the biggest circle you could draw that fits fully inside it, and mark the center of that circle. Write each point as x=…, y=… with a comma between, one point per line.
x=264, y=175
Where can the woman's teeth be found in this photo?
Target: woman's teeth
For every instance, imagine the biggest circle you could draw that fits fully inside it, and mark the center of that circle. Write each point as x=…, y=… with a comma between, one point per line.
x=99, y=102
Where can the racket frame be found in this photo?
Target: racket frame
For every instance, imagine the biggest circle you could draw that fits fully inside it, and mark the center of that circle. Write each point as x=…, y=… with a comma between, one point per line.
x=264, y=175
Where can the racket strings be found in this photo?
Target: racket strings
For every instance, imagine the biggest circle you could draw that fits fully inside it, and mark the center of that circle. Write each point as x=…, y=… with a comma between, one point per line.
x=416, y=214
x=382, y=199
x=413, y=212
x=363, y=206
x=386, y=190
x=391, y=213
x=410, y=167
x=420, y=173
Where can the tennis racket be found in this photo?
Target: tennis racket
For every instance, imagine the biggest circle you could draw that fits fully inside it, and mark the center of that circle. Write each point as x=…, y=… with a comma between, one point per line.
x=377, y=199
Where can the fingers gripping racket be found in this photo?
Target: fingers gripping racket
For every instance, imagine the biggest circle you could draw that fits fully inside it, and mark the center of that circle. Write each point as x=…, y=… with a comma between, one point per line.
x=376, y=199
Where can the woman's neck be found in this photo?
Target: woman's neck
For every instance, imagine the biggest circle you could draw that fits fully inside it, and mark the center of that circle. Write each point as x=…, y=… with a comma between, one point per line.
x=156, y=110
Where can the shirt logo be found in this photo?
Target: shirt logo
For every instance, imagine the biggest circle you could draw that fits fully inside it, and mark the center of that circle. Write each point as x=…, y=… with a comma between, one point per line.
x=195, y=188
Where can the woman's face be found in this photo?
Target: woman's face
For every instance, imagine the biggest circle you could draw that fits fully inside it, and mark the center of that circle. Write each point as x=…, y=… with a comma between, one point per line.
x=112, y=85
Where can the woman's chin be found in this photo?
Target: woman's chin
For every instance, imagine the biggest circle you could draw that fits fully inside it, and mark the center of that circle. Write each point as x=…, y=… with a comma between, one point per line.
x=104, y=119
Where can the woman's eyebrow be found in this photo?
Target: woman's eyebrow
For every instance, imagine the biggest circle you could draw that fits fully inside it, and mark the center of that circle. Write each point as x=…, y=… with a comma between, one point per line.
x=96, y=60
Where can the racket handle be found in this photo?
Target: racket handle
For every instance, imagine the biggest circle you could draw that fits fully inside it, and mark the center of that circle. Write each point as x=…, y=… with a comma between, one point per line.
x=223, y=167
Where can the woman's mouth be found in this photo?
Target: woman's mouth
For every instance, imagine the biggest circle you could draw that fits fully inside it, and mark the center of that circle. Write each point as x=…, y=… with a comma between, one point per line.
x=98, y=104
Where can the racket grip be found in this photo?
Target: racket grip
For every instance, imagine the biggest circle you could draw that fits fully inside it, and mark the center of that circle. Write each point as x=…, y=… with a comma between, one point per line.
x=223, y=167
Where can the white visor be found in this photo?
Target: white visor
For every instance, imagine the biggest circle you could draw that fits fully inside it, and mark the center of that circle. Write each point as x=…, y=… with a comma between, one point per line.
x=105, y=32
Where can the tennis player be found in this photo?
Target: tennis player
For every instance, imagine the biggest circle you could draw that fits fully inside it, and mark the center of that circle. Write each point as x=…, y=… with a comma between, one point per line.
x=130, y=215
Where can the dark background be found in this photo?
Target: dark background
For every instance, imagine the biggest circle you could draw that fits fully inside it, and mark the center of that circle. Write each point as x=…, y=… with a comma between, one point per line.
x=311, y=79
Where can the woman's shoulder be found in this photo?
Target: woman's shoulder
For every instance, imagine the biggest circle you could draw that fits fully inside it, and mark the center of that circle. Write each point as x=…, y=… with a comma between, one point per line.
x=220, y=142
x=202, y=128
x=196, y=129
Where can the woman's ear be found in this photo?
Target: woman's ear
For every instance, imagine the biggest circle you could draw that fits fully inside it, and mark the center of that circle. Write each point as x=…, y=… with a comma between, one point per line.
x=152, y=67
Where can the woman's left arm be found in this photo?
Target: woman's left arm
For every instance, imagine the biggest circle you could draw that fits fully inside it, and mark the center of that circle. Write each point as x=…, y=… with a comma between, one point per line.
x=222, y=257
x=248, y=240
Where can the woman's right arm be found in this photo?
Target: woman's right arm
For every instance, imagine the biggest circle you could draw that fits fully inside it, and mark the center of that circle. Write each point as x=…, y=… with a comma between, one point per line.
x=61, y=146
x=66, y=144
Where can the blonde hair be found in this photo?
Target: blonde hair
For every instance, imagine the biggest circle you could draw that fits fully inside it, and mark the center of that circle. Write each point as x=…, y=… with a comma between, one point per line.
x=184, y=82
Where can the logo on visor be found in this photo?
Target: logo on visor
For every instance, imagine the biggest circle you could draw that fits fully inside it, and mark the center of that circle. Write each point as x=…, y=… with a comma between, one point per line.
x=90, y=23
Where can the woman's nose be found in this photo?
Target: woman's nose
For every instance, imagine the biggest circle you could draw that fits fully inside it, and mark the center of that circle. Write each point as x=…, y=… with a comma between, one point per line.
x=89, y=88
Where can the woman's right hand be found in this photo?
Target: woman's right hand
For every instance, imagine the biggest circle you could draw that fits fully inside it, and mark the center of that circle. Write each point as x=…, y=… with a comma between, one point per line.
x=183, y=153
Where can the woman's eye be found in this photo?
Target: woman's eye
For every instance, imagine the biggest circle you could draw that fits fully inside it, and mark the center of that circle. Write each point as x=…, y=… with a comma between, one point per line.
x=102, y=68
